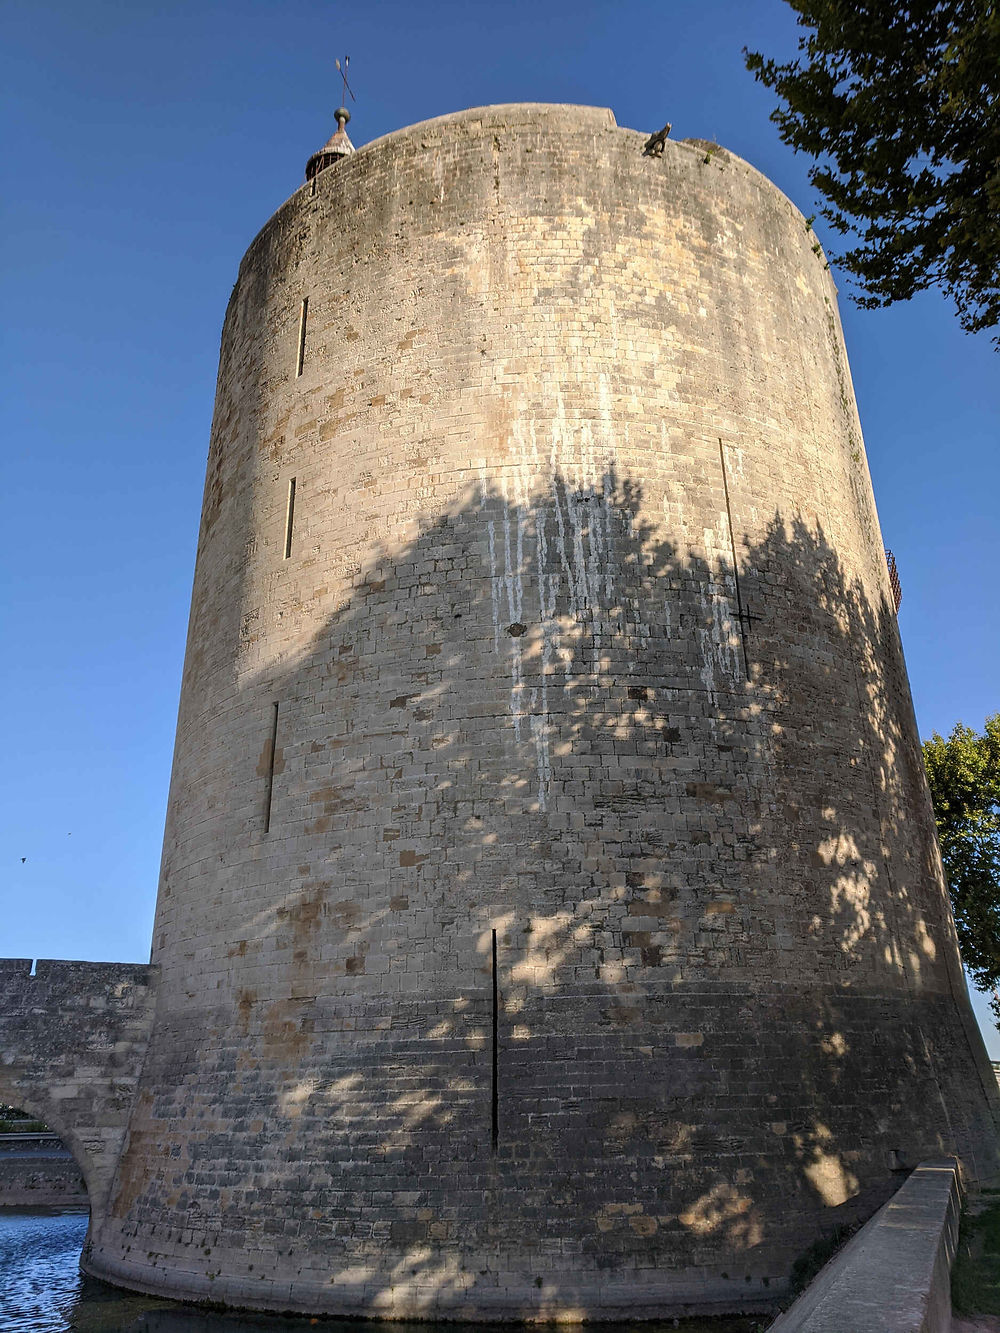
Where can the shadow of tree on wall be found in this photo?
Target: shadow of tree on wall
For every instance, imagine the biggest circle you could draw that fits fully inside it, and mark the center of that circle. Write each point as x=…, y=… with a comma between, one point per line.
x=695, y=817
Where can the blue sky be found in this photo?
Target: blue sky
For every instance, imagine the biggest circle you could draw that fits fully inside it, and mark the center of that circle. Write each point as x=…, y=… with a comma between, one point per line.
x=146, y=146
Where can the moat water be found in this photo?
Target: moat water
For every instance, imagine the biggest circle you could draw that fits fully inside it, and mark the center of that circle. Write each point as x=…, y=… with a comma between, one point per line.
x=43, y=1291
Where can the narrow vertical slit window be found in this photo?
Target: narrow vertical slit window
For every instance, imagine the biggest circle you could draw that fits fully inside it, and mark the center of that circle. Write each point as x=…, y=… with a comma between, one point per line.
x=741, y=612
x=270, y=768
x=289, y=517
x=495, y=1099
x=301, y=355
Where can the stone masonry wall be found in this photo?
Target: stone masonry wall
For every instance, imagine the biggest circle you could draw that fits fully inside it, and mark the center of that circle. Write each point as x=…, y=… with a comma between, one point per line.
x=570, y=647
x=72, y=1041
x=41, y=1179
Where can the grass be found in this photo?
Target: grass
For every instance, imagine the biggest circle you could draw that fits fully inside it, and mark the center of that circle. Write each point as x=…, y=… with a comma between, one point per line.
x=975, y=1274
x=817, y=1256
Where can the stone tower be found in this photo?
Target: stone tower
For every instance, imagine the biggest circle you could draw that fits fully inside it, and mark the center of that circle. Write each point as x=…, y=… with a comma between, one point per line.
x=551, y=920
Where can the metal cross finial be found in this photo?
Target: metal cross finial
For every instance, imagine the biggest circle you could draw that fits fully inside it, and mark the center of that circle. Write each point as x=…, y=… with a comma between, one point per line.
x=342, y=68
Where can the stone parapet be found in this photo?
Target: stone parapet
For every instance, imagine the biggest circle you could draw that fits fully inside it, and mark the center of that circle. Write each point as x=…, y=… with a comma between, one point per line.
x=894, y=1276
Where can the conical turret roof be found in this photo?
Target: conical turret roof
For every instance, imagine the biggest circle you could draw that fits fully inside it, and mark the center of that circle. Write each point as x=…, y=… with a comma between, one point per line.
x=338, y=146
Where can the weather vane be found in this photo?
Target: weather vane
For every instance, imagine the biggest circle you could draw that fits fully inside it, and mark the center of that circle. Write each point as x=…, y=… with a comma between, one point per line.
x=342, y=69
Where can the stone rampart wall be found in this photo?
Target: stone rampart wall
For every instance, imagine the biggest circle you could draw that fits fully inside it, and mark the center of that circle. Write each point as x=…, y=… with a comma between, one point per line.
x=73, y=1037
x=40, y=1179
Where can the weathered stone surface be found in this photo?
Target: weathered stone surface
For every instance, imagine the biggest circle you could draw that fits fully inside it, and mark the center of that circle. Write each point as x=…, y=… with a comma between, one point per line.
x=894, y=1276
x=552, y=391
x=40, y=1179
x=72, y=1040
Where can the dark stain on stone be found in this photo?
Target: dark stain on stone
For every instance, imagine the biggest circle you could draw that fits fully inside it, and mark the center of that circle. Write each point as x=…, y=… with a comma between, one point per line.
x=708, y=791
x=244, y=1005
x=410, y=858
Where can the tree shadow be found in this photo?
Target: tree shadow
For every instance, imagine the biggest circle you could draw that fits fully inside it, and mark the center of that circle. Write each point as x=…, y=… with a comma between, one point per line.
x=689, y=802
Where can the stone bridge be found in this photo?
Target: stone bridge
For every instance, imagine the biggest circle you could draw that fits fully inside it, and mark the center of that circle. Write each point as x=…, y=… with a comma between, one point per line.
x=72, y=1041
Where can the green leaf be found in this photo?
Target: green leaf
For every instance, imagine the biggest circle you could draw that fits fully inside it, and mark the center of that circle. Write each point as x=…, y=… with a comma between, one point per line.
x=899, y=103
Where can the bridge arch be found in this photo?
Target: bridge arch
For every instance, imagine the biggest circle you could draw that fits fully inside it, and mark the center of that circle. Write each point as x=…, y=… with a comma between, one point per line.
x=73, y=1036
x=39, y=1168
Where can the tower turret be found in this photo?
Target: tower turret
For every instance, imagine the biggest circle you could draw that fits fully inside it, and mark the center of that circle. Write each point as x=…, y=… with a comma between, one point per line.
x=551, y=922
x=336, y=148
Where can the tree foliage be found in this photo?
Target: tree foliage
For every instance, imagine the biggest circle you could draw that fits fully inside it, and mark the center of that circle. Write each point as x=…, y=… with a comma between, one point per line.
x=964, y=776
x=899, y=102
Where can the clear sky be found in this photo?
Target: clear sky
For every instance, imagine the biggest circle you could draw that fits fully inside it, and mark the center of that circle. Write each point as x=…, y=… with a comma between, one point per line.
x=146, y=144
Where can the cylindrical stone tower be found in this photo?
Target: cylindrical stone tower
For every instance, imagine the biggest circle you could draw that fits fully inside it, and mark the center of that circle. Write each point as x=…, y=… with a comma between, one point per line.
x=551, y=921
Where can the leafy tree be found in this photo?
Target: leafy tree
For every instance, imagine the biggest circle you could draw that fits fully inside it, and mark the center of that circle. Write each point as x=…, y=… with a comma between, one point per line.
x=899, y=102
x=964, y=776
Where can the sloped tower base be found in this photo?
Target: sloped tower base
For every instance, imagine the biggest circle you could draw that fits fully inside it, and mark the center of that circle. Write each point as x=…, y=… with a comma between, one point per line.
x=551, y=922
